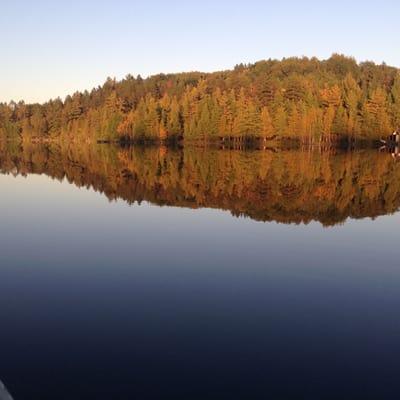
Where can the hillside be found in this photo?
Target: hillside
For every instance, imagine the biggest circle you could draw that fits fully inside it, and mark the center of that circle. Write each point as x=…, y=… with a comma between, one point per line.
x=299, y=98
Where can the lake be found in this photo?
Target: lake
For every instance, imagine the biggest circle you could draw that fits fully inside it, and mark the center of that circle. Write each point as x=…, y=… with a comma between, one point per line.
x=155, y=273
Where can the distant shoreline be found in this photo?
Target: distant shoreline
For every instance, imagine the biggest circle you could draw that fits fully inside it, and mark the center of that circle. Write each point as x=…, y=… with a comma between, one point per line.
x=296, y=99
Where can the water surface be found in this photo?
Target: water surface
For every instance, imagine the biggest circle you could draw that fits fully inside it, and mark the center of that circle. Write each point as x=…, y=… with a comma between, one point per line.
x=198, y=274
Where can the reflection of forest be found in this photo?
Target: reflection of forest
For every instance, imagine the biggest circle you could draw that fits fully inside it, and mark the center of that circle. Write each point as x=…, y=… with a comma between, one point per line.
x=288, y=186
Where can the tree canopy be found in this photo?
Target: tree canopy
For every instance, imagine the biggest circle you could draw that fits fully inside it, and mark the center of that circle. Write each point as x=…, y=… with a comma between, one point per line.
x=298, y=98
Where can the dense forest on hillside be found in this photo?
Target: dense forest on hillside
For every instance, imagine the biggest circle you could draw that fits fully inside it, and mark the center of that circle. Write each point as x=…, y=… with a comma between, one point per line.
x=299, y=98
x=286, y=186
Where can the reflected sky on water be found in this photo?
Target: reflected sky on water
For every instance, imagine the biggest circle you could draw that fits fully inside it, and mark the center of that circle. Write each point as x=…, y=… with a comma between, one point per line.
x=105, y=299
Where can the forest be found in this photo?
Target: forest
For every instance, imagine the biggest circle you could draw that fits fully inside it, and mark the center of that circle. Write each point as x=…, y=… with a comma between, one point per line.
x=302, y=99
x=289, y=186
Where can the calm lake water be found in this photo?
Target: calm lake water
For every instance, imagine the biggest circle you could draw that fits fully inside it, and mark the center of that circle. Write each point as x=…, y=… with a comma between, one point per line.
x=198, y=274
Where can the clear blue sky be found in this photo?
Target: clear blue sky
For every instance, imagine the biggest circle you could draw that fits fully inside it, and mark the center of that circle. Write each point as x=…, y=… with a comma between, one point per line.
x=52, y=48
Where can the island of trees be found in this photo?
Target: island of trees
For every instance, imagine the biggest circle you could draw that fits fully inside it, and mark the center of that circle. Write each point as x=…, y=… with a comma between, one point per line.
x=301, y=99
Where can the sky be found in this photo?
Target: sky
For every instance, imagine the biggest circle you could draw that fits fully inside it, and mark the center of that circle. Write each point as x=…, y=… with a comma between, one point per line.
x=54, y=48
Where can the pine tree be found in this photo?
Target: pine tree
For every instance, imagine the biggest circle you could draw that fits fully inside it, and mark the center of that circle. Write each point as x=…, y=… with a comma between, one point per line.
x=174, y=125
x=376, y=119
x=266, y=121
x=395, y=94
x=280, y=120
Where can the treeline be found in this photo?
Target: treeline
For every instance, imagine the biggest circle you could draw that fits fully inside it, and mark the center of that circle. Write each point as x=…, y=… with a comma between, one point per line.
x=286, y=186
x=297, y=98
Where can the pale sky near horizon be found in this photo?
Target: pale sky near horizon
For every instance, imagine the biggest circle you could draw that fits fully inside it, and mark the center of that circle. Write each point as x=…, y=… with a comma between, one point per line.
x=53, y=48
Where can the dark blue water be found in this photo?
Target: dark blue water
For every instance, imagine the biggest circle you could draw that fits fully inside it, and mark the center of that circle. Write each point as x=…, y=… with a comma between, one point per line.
x=103, y=300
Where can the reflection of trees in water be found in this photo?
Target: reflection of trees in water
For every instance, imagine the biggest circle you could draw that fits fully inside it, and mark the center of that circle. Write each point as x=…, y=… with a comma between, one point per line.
x=288, y=186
